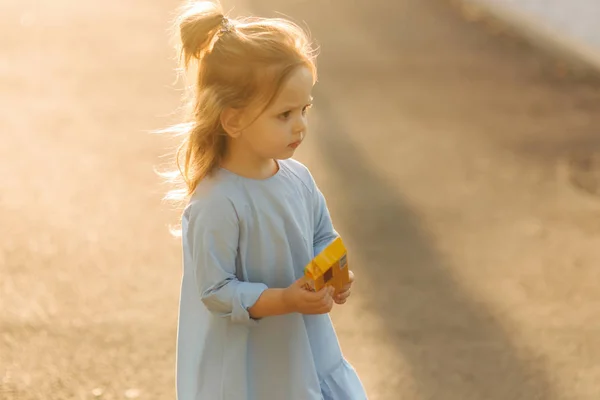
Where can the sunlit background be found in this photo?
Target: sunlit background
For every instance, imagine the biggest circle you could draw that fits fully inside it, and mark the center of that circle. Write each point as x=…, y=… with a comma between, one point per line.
x=459, y=153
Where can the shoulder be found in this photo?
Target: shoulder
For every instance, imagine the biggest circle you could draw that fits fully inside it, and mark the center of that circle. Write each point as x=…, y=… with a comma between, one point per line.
x=213, y=199
x=299, y=171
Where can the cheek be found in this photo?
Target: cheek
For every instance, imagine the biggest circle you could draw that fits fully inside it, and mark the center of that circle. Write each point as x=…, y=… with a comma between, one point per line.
x=269, y=136
x=277, y=132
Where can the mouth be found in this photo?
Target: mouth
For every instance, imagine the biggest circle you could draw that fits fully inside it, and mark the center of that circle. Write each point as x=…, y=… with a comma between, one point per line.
x=295, y=144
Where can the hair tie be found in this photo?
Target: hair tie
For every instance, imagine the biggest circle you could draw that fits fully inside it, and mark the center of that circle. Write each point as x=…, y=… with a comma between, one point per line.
x=226, y=26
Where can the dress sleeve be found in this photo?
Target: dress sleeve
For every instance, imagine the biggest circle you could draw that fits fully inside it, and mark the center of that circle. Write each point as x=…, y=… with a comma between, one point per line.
x=213, y=234
x=324, y=232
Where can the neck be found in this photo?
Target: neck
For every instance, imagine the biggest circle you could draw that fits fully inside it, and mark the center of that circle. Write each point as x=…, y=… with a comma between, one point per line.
x=244, y=162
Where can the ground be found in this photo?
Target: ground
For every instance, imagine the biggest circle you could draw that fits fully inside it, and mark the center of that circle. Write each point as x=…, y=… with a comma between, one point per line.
x=459, y=163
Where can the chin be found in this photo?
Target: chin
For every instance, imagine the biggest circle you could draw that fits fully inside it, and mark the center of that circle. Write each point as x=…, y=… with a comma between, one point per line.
x=285, y=155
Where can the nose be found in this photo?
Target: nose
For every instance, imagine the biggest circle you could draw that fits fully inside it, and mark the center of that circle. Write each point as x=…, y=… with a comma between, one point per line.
x=300, y=125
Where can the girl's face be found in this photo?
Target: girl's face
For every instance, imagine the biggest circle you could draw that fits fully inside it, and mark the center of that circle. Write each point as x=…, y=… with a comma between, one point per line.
x=279, y=130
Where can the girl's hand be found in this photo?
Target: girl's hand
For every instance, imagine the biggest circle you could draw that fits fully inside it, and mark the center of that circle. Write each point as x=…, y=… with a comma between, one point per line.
x=342, y=296
x=303, y=301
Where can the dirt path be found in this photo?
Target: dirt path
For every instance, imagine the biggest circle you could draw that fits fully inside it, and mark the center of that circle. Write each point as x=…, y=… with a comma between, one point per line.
x=445, y=148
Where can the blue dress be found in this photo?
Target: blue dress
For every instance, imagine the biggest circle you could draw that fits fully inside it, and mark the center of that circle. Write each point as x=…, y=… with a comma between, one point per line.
x=240, y=237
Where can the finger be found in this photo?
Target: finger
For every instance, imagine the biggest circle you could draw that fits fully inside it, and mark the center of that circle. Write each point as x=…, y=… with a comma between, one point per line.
x=322, y=307
x=345, y=288
x=311, y=297
x=343, y=296
x=314, y=297
x=350, y=277
x=340, y=301
x=327, y=301
x=328, y=305
x=300, y=282
x=328, y=291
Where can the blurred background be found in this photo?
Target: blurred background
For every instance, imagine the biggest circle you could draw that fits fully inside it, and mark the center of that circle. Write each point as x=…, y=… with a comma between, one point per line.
x=460, y=160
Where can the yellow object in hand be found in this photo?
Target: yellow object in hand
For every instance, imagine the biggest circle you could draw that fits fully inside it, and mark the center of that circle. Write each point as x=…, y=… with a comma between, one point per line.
x=328, y=268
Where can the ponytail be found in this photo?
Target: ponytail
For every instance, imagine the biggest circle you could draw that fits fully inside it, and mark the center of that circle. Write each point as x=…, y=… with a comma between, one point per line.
x=198, y=24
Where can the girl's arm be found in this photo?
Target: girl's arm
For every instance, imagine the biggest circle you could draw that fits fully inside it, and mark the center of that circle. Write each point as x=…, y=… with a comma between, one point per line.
x=212, y=236
x=271, y=302
x=324, y=232
x=294, y=298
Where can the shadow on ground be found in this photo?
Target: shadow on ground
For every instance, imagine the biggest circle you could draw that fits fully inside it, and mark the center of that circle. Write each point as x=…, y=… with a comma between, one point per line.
x=455, y=347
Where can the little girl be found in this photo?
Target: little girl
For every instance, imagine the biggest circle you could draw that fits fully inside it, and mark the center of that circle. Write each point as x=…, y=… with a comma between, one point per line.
x=248, y=330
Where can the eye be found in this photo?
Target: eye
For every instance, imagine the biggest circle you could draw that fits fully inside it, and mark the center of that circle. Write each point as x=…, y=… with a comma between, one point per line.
x=306, y=108
x=285, y=115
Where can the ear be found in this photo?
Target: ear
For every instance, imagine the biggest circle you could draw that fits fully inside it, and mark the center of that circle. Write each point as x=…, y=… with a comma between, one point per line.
x=231, y=121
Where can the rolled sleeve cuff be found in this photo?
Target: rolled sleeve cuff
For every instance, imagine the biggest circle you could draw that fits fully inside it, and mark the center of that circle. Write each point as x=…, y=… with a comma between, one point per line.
x=246, y=295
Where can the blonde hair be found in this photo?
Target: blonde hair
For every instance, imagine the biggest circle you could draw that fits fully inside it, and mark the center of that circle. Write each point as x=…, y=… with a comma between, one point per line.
x=240, y=63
